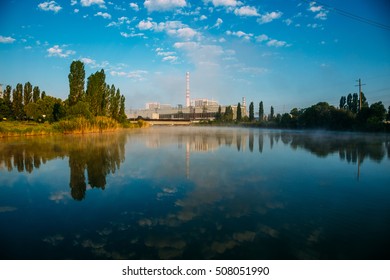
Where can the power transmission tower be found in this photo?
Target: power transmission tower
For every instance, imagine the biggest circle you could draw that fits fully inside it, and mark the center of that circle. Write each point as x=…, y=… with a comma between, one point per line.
x=360, y=92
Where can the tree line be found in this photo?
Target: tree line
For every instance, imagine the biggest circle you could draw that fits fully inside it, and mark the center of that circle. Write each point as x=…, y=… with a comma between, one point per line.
x=98, y=99
x=350, y=115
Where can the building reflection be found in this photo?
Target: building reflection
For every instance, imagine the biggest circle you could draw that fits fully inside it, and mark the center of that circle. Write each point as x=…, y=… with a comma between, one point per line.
x=93, y=157
x=351, y=148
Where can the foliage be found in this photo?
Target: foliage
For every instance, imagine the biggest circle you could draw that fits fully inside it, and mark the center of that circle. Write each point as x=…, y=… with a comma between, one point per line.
x=251, y=112
x=261, y=111
x=83, y=125
x=239, y=114
x=76, y=82
x=228, y=115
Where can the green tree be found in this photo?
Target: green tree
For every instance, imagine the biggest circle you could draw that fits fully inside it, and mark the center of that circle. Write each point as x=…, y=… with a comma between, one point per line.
x=96, y=93
x=239, y=114
x=36, y=94
x=261, y=111
x=251, y=112
x=388, y=114
x=228, y=115
x=6, y=107
x=17, y=102
x=355, y=103
x=349, y=102
x=122, y=112
x=114, y=99
x=43, y=94
x=272, y=114
x=27, y=98
x=343, y=102
x=76, y=82
x=218, y=115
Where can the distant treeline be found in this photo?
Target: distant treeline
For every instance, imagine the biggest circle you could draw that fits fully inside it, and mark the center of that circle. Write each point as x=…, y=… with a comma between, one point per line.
x=348, y=116
x=98, y=99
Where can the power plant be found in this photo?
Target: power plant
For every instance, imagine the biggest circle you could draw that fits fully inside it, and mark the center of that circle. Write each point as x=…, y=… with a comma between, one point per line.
x=194, y=109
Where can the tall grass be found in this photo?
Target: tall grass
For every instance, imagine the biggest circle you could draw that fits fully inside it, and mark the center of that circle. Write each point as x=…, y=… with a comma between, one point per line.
x=78, y=125
x=83, y=125
x=14, y=128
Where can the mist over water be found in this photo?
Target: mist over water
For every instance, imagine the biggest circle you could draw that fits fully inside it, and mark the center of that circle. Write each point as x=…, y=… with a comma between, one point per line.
x=196, y=193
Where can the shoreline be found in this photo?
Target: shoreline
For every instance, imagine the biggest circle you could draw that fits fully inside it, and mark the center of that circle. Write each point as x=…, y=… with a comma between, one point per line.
x=10, y=129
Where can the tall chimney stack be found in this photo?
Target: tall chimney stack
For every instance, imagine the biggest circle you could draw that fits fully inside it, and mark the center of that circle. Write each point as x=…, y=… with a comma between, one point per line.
x=188, y=89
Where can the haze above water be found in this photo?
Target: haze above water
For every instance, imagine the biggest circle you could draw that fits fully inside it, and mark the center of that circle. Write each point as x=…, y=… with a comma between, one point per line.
x=196, y=193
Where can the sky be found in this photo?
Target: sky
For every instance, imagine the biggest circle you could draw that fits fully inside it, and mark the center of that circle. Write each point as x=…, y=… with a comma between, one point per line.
x=286, y=53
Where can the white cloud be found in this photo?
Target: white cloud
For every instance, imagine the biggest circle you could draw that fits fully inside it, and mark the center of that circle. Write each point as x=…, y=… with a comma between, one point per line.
x=131, y=35
x=314, y=8
x=103, y=15
x=76, y=11
x=186, y=33
x=172, y=28
x=288, y=22
x=50, y=6
x=218, y=23
x=321, y=12
x=88, y=3
x=136, y=75
x=202, y=17
x=164, y=5
x=262, y=38
x=226, y=3
x=246, y=11
x=145, y=25
x=240, y=34
x=271, y=42
x=6, y=40
x=87, y=60
x=322, y=15
x=170, y=58
x=276, y=43
x=120, y=21
x=57, y=51
x=186, y=45
x=134, y=6
x=73, y=2
x=268, y=17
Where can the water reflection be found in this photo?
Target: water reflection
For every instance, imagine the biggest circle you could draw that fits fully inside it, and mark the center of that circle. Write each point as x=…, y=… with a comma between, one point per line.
x=96, y=155
x=200, y=193
x=93, y=157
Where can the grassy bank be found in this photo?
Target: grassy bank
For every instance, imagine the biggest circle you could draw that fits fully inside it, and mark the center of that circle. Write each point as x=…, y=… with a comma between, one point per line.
x=78, y=125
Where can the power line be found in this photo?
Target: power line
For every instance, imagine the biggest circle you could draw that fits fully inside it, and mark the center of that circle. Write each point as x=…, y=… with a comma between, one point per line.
x=352, y=16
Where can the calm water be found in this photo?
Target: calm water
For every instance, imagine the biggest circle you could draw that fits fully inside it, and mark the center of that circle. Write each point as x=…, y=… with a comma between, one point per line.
x=196, y=193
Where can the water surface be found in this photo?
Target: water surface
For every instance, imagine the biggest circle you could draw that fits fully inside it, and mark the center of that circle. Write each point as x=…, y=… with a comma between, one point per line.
x=196, y=193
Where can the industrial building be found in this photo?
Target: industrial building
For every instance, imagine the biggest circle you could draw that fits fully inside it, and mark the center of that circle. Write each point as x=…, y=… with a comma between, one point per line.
x=195, y=109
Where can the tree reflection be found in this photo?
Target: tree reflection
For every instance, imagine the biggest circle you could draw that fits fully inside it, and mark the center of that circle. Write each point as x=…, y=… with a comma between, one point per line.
x=95, y=155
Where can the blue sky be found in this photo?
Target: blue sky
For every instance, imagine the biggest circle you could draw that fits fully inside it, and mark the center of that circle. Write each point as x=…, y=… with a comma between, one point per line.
x=287, y=53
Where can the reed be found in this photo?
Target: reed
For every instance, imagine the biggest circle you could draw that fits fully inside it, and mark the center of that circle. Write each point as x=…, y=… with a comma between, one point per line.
x=83, y=125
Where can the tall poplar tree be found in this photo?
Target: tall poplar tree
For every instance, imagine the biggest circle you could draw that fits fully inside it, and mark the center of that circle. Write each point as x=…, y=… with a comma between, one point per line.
x=239, y=114
x=96, y=93
x=251, y=112
x=27, y=98
x=122, y=113
x=76, y=82
x=36, y=94
x=261, y=111
x=17, y=101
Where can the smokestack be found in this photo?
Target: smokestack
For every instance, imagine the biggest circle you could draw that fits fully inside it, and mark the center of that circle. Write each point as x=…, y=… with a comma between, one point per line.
x=188, y=89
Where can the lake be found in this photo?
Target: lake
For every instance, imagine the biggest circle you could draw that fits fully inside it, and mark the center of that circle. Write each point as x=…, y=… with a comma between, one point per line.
x=196, y=193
